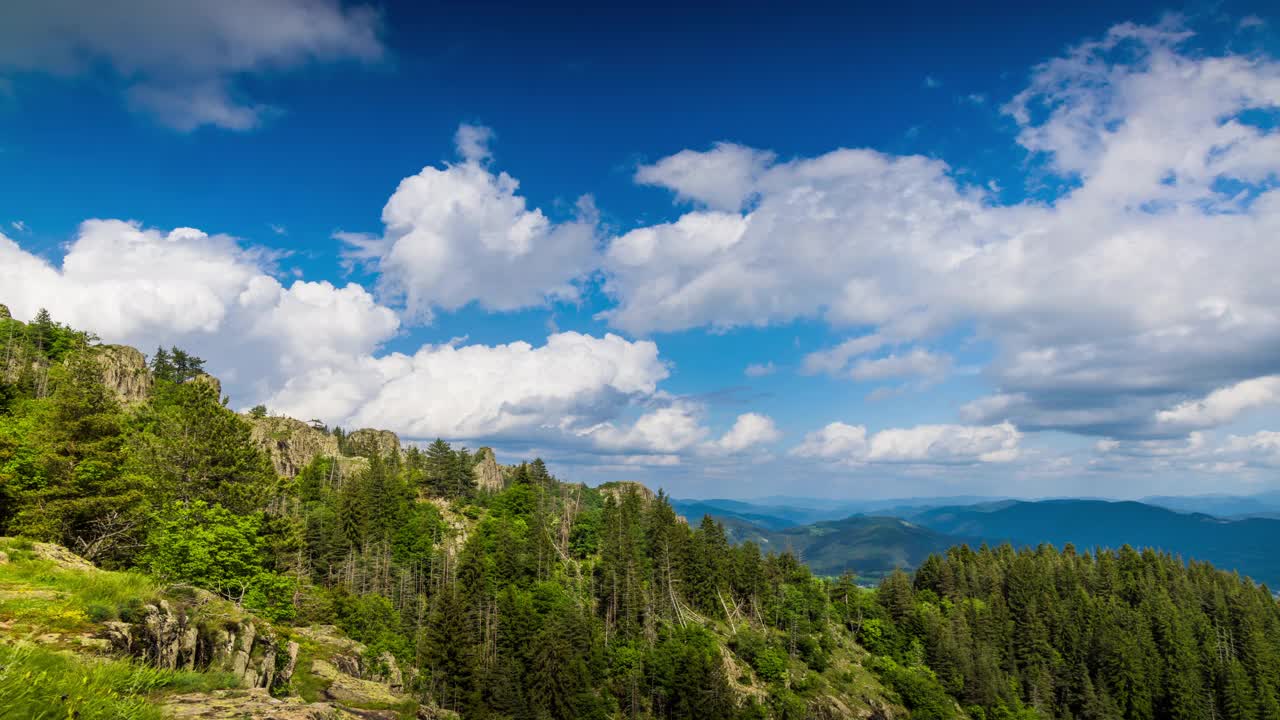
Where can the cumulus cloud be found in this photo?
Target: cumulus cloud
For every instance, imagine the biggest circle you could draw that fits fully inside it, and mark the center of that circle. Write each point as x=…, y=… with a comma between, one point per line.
x=145, y=287
x=749, y=430
x=1150, y=278
x=670, y=429
x=460, y=234
x=1224, y=404
x=922, y=444
x=179, y=61
x=313, y=350
x=722, y=178
x=475, y=391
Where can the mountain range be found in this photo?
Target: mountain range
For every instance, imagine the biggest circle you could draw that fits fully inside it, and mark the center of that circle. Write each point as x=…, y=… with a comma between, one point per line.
x=877, y=537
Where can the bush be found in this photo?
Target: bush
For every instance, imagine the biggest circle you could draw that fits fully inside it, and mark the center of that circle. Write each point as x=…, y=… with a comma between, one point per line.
x=771, y=664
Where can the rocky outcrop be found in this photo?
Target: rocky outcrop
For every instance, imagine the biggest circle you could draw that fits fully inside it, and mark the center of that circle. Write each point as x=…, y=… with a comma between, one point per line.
x=350, y=677
x=257, y=704
x=174, y=640
x=368, y=442
x=211, y=381
x=62, y=557
x=291, y=444
x=487, y=473
x=619, y=490
x=124, y=370
x=348, y=689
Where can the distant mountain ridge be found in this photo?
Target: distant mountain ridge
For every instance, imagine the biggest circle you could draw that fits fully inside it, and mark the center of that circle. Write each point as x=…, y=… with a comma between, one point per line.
x=873, y=544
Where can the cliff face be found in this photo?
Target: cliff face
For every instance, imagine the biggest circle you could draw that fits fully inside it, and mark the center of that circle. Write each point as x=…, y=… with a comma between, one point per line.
x=124, y=370
x=292, y=444
x=488, y=474
x=368, y=442
x=619, y=490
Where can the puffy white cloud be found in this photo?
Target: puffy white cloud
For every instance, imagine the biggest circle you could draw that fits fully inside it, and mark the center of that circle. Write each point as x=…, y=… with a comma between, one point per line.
x=1223, y=404
x=1149, y=279
x=146, y=287
x=179, y=60
x=122, y=280
x=922, y=444
x=572, y=382
x=670, y=429
x=461, y=234
x=315, y=322
x=749, y=430
x=722, y=178
x=313, y=350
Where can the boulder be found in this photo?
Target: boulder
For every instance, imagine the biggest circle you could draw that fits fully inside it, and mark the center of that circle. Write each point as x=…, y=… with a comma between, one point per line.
x=348, y=689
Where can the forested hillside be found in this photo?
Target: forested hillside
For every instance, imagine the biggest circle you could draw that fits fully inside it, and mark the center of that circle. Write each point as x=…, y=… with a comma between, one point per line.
x=503, y=592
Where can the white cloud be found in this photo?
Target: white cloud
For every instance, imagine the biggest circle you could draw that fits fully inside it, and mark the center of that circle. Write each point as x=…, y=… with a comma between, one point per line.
x=123, y=281
x=722, y=178
x=755, y=370
x=206, y=293
x=179, y=61
x=312, y=350
x=473, y=141
x=1150, y=278
x=922, y=444
x=671, y=429
x=1224, y=404
x=559, y=390
x=836, y=359
x=19, y=226
x=916, y=363
x=749, y=430
x=461, y=234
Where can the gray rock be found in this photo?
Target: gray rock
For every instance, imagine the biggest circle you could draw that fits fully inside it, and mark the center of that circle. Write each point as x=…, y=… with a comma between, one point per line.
x=291, y=444
x=368, y=442
x=124, y=370
x=487, y=472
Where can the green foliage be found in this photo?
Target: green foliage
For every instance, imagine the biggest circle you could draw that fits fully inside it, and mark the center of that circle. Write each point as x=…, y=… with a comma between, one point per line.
x=40, y=684
x=1043, y=633
x=175, y=366
x=213, y=548
x=191, y=447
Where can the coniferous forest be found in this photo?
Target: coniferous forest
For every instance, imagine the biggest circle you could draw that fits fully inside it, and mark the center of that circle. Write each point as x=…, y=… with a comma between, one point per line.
x=542, y=598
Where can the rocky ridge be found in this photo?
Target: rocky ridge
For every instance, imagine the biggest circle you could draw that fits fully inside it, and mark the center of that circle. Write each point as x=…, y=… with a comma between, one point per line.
x=488, y=474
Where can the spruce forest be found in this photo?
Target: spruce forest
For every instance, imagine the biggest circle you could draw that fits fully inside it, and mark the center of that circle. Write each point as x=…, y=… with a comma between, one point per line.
x=531, y=597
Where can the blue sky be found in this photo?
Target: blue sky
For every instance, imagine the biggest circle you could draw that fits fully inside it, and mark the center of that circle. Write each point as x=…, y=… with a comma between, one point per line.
x=960, y=249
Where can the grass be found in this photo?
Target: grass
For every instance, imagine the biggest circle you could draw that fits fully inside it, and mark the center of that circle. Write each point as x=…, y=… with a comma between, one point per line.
x=42, y=596
x=38, y=684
